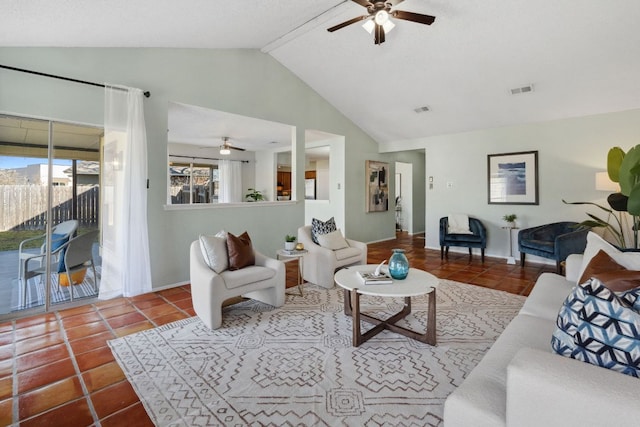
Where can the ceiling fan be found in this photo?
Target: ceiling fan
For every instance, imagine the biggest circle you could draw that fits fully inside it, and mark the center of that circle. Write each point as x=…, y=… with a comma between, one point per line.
x=378, y=16
x=226, y=147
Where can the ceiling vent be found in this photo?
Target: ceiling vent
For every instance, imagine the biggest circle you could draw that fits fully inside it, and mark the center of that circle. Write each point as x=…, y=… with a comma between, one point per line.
x=421, y=109
x=523, y=89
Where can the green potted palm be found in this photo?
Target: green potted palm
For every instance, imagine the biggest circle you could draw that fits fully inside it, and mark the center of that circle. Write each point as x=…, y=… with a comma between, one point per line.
x=623, y=168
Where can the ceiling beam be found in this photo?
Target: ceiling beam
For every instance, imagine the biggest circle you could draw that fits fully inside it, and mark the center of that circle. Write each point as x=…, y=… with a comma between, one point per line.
x=45, y=147
x=305, y=27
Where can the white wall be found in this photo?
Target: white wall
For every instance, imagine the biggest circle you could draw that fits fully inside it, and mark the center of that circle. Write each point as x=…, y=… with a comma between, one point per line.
x=322, y=180
x=239, y=81
x=570, y=152
x=38, y=174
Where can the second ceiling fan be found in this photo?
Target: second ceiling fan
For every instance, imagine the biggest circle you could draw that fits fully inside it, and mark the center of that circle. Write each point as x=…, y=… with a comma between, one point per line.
x=226, y=146
x=378, y=16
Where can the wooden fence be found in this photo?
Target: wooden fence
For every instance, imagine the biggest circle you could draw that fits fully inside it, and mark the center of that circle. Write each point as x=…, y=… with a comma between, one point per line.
x=24, y=207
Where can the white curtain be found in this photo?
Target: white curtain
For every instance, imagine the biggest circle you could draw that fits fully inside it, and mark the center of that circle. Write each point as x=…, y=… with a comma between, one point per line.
x=230, y=181
x=125, y=242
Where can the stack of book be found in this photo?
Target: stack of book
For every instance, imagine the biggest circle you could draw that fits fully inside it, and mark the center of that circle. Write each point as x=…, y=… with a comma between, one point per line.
x=369, y=278
x=293, y=251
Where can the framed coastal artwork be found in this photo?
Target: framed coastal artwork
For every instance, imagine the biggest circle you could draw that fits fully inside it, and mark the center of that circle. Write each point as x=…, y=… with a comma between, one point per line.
x=512, y=178
x=377, y=182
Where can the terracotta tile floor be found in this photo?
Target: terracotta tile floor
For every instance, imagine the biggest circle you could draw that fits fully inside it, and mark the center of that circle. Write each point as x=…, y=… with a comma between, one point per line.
x=57, y=370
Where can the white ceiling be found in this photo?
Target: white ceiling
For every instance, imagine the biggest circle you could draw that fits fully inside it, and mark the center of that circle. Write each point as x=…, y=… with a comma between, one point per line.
x=583, y=57
x=204, y=127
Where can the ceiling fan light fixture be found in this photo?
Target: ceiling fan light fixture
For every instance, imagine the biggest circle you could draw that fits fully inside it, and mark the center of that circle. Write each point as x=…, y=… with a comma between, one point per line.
x=378, y=19
x=381, y=17
x=369, y=25
x=224, y=151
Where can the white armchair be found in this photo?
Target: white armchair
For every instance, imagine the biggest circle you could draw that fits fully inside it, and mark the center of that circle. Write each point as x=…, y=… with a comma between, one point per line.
x=264, y=281
x=321, y=263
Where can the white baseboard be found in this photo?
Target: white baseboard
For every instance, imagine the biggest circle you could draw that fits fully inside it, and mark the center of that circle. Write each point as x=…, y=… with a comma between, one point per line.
x=170, y=286
x=516, y=259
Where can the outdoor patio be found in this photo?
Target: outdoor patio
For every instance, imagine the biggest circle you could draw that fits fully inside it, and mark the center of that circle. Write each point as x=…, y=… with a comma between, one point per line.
x=11, y=290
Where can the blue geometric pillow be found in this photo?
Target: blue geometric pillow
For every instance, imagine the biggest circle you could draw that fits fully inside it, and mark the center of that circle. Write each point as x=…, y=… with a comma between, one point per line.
x=598, y=326
x=322, y=227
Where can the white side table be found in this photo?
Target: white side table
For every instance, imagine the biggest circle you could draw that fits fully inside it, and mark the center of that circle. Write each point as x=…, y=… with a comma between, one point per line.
x=287, y=256
x=510, y=259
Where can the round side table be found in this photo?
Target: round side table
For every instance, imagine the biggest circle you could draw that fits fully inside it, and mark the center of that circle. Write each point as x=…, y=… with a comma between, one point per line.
x=510, y=259
x=286, y=256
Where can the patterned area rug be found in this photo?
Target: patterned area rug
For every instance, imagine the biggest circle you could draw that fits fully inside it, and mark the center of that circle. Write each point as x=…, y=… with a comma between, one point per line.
x=295, y=366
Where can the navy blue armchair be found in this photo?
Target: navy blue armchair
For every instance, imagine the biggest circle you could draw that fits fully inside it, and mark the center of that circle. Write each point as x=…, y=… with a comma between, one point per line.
x=555, y=241
x=476, y=240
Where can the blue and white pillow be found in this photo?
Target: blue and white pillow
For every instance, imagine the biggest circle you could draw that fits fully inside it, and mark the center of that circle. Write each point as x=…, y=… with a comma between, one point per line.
x=598, y=326
x=322, y=227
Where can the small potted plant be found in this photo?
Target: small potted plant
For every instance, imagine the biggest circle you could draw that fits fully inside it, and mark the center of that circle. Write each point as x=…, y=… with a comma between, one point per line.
x=510, y=219
x=254, y=195
x=289, y=242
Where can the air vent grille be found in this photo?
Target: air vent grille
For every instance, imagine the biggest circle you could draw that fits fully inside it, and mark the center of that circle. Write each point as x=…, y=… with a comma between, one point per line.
x=422, y=109
x=523, y=89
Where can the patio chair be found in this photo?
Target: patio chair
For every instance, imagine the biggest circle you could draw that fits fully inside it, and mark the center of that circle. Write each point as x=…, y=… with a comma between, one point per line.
x=60, y=234
x=76, y=255
x=34, y=266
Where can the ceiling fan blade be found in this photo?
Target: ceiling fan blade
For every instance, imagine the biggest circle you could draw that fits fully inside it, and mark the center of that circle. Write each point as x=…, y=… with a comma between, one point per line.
x=228, y=146
x=414, y=17
x=379, y=34
x=364, y=3
x=345, y=23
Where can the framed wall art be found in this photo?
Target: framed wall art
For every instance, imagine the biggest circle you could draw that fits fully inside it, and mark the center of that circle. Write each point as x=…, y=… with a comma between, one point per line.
x=377, y=191
x=512, y=178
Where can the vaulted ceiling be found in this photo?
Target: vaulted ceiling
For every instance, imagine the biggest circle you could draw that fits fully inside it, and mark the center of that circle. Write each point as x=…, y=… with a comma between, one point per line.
x=581, y=57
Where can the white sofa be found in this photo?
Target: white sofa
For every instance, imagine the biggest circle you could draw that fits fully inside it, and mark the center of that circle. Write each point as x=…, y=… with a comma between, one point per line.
x=521, y=382
x=320, y=264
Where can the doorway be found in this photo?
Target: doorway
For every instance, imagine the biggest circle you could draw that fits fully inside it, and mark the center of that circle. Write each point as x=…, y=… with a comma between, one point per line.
x=404, y=197
x=50, y=191
x=324, y=177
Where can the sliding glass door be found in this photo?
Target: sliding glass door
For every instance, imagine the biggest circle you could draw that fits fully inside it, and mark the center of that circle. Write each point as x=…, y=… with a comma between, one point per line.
x=49, y=194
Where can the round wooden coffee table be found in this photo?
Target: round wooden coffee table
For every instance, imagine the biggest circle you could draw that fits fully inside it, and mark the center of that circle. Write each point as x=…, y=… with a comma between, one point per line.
x=417, y=283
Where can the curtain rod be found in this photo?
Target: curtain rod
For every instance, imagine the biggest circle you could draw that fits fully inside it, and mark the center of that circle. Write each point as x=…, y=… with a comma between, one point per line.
x=53, y=76
x=206, y=158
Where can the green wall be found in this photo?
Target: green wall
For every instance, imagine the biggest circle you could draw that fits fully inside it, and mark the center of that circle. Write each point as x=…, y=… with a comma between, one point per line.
x=240, y=81
x=570, y=152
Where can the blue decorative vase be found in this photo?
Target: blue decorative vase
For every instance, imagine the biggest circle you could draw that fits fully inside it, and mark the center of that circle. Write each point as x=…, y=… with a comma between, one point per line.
x=398, y=264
